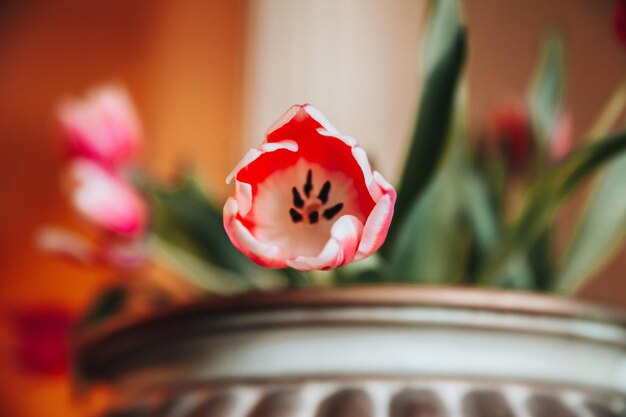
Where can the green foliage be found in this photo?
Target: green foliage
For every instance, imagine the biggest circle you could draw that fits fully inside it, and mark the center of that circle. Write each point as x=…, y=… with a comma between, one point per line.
x=485, y=222
x=601, y=228
x=190, y=232
x=186, y=218
x=547, y=91
x=432, y=244
x=544, y=200
x=445, y=50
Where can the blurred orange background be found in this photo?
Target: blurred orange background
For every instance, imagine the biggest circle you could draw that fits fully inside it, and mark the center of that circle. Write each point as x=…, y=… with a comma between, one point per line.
x=186, y=64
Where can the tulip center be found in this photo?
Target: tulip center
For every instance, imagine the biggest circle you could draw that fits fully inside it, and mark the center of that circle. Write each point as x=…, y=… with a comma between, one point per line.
x=308, y=208
x=295, y=208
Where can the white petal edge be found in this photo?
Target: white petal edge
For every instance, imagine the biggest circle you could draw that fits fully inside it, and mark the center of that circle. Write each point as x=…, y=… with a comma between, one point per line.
x=348, y=140
x=284, y=119
x=339, y=250
x=376, y=227
x=321, y=119
x=255, y=153
x=243, y=194
x=265, y=255
x=380, y=186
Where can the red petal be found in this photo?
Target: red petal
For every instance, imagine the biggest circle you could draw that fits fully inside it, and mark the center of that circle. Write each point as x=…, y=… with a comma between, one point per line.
x=42, y=339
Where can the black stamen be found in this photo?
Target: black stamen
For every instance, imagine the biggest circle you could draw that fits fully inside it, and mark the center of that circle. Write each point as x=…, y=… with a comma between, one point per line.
x=313, y=217
x=308, y=186
x=323, y=195
x=295, y=216
x=329, y=213
x=297, y=199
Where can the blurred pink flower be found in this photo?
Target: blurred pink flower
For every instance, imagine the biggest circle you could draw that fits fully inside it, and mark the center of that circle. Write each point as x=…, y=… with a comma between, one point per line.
x=42, y=336
x=561, y=140
x=107, y=201
x=307, y=198
x=102, y=127
x=619, y=21
x=509, y=126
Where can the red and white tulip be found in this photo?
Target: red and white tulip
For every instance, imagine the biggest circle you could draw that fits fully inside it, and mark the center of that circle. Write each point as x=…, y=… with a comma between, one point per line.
x=307, y=197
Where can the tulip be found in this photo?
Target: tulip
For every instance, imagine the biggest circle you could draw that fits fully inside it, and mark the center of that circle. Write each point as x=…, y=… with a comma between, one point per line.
x=107, y=201
x=307, y=197
x=510, y=127
x=103, y=127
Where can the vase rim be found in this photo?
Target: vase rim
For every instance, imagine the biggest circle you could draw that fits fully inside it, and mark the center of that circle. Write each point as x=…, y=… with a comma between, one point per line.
x=86, y=342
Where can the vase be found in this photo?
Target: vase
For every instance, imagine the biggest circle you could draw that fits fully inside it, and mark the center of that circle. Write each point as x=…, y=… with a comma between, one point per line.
x=365, y=352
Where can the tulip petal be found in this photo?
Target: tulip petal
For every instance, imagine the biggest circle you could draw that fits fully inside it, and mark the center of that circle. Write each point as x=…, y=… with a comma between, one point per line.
x=339, y=250
x=103, y=127
x=243, y=194
x=240, y=236
x=323, y=121
x=107, y=201
x=261, y=253
x=255, y=153
x=377, y=224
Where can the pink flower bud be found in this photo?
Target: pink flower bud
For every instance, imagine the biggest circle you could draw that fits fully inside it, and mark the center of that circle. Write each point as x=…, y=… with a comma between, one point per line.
x=107, y=201
x=307, y=198
x=102, y=127
x=561, y=141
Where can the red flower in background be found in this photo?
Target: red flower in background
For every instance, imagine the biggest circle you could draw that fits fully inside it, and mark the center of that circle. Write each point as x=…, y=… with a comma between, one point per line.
x=41, y=335
x=510, y=128
x=619, y=21
x=307, y=198
x=511, y=133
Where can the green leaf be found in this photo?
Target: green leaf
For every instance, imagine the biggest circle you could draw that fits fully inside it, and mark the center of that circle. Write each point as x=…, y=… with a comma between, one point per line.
x=366, y=271
x=544, y=200
x=193, y=241
x=598, y=233
x=197, y=271
x=610, y=113
x=485, y=223
x=547, y=90
x=444, y=58
x=108, y=304
x=432, y=244
x=187, y=219
x=297, y=278
x=540, y=258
